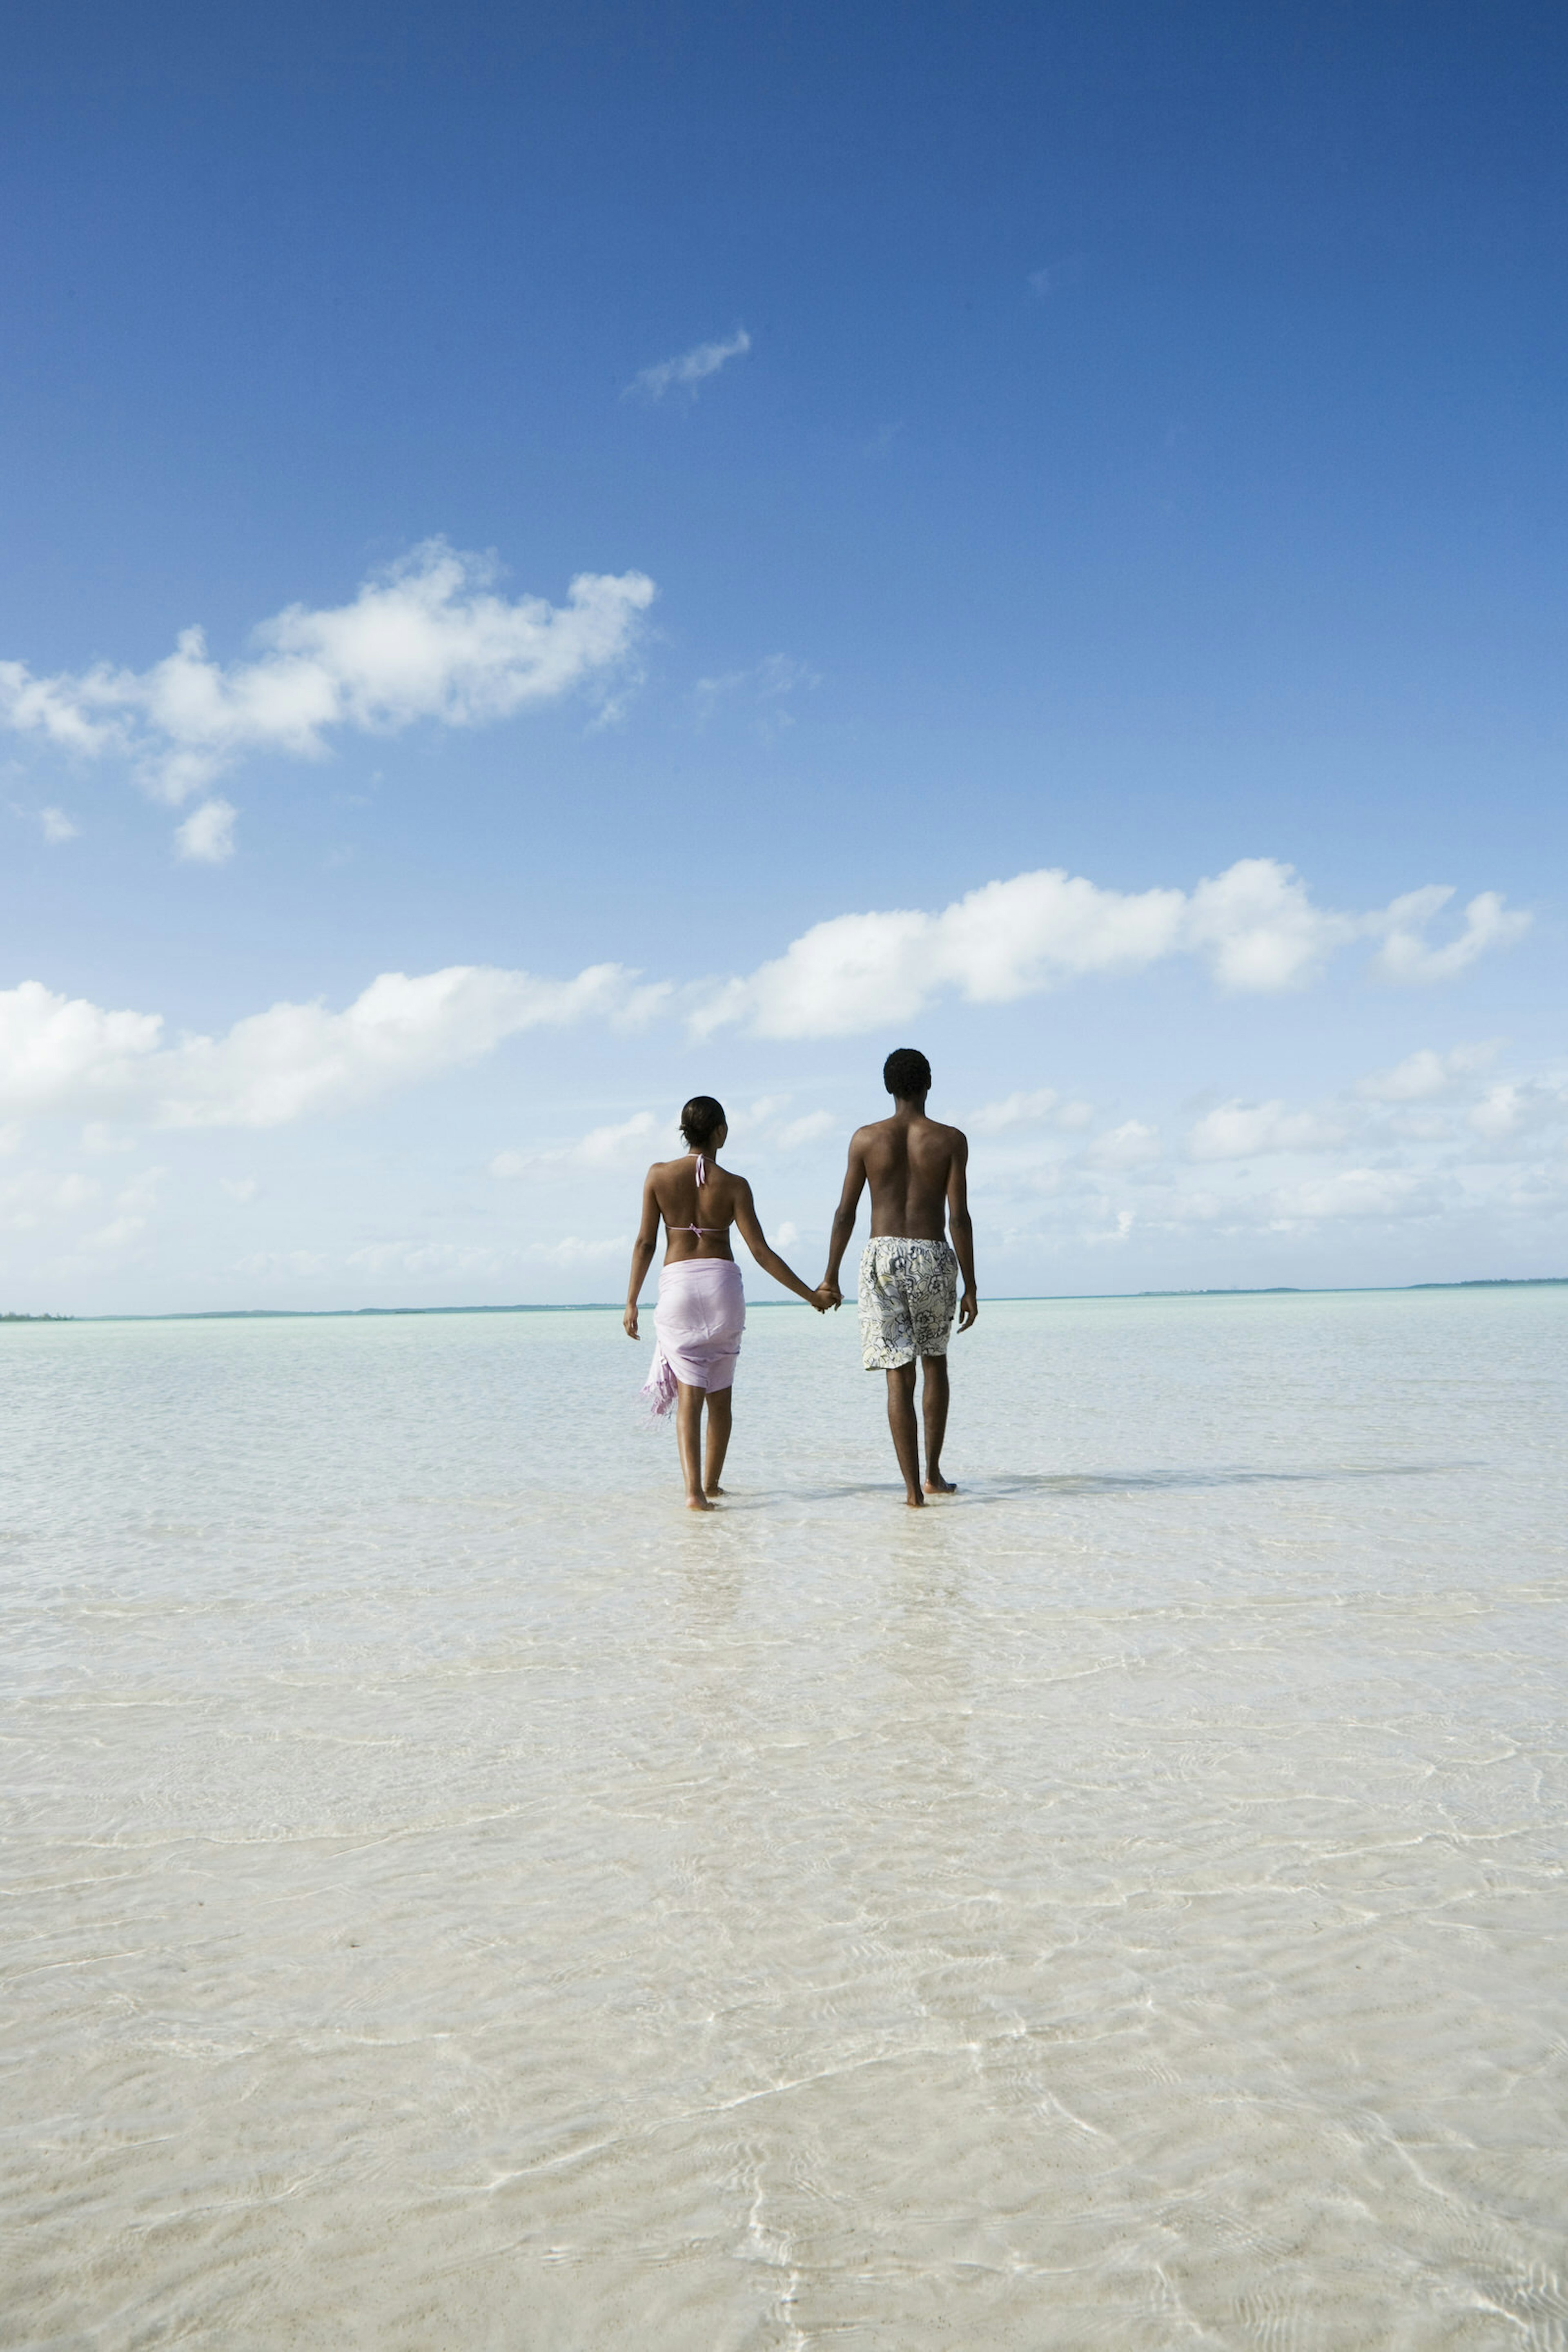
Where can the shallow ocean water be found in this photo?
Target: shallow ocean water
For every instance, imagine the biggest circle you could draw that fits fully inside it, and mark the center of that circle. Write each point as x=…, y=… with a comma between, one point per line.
x=454, y=1897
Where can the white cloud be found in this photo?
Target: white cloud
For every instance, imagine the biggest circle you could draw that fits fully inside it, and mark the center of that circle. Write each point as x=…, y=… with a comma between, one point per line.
x=809, y=1130
x=31, y=1198
x=57, y=826
x=1405, y=954
x=633, y=1139
x=61, y=1054
x=1500, y=1111
x=428, y=1257
x=116, y=1235
x=1253, y=924
x=1422, y=1075
x=1519, y=1107
x=1132, y=1145
x=426, y=638
x=1014, y=1110
x=1348, y=1193
x=570, y=1251
x=691, y=368
x=99, y=1137
x=207, y=834
x=297, y=1260
x=240, y=1188
x=1238, y=1130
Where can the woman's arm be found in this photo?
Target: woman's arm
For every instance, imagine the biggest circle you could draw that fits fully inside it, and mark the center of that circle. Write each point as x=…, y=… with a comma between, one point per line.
x=643, y=1249
x=752, y=1233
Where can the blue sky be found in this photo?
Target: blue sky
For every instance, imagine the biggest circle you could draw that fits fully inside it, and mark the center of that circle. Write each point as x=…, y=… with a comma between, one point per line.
x=1123, y=444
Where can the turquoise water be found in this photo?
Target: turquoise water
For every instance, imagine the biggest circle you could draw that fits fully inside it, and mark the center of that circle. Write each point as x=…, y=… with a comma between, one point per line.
x=455, y=1897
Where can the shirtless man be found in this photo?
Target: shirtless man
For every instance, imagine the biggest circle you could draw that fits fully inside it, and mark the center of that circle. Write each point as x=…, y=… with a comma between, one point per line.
x=909, y=1274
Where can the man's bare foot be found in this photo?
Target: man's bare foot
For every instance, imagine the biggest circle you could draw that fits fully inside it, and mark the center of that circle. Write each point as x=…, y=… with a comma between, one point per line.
x=698, y=1503
x=937, y=1484
x=915, y=1502
x=715, y=1490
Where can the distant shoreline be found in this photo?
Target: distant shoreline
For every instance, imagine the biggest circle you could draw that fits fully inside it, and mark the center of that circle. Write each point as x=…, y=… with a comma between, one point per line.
x=613, y=1307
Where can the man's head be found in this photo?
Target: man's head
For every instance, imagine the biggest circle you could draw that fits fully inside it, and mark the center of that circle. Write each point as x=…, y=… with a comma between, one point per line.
x=906, y=1074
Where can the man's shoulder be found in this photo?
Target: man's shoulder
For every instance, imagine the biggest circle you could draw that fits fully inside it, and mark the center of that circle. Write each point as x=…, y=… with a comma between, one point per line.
x=950, y=1135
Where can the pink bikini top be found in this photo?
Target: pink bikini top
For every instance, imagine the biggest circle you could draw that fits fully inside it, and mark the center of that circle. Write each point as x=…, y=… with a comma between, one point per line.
x=711, y=1232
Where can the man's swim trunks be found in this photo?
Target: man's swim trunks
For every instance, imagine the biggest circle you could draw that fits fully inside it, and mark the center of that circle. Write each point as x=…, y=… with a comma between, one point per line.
x=909, y=1295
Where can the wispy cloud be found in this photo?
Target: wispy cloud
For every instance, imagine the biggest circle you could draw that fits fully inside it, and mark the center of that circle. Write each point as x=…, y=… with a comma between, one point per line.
x=1424, y=1073
x=765, y=686
x=689, y=368
x=425, y=639
x=1057, y=276
x=813, y=1128
x=1238, y=1130
x=1029, y=1110
x=57, y=826
x=614, y=1146
x=1405, y=954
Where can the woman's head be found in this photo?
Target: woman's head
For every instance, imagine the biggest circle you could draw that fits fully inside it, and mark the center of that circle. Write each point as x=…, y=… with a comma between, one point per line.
x=701, y=1121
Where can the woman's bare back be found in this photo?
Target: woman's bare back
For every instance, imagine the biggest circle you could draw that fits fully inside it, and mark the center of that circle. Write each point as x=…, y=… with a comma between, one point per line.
x=683, y=1203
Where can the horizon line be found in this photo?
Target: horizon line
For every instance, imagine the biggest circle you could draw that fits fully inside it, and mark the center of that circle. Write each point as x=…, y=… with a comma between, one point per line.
x=616, y=1307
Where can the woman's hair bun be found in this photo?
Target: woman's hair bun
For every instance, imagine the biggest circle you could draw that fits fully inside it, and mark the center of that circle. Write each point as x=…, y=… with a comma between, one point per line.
x=701, y=1121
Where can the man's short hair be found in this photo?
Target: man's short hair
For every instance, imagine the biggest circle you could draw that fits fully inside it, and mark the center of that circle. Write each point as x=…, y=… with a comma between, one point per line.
x=906, y=1074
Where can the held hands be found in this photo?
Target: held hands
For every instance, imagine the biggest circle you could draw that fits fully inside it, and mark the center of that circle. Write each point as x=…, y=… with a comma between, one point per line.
x=826, y=1294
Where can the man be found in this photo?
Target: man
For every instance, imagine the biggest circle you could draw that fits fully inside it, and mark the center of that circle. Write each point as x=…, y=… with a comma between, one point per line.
x=909, y=1275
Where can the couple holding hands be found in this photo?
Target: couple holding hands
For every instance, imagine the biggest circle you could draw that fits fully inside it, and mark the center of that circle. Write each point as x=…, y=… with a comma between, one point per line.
x=909, y=1274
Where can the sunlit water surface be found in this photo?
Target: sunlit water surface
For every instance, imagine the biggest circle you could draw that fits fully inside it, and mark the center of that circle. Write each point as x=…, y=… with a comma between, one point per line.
x=454, y=1898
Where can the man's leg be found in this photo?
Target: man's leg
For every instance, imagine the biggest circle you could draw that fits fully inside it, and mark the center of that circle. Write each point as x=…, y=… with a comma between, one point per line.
x=934, y=1401
x=718, y=1438
x=689, y=1440
x=906, y=1437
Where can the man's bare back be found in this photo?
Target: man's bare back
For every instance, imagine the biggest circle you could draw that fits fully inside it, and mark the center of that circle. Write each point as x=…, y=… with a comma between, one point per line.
x=908, y=1165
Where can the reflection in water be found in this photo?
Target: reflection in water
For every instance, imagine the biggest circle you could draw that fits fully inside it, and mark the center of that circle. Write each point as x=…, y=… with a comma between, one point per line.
x=1116, y=1906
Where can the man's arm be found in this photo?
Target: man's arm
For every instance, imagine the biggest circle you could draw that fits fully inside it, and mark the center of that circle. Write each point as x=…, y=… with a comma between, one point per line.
x=643, y=1249
x=961, y=1228
x=845, y=1215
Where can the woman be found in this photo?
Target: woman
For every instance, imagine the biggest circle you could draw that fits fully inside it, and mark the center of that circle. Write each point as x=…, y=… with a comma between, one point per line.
x=701, y=1308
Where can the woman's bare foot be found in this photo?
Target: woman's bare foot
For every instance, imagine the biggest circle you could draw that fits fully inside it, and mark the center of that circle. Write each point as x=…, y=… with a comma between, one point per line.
x=714, y=1490
x=937, y=1484
x=698, y=1503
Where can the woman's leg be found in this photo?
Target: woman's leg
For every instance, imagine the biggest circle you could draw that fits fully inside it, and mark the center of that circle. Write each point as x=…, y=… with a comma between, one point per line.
x=718, y=1438
x=688, y=1439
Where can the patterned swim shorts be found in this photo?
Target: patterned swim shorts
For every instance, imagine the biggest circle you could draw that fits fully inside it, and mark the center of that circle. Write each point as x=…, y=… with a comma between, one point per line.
x=909, y=1295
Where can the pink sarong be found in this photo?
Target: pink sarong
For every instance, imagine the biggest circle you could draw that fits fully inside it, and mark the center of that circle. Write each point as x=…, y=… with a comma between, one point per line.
x=699, y=1317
